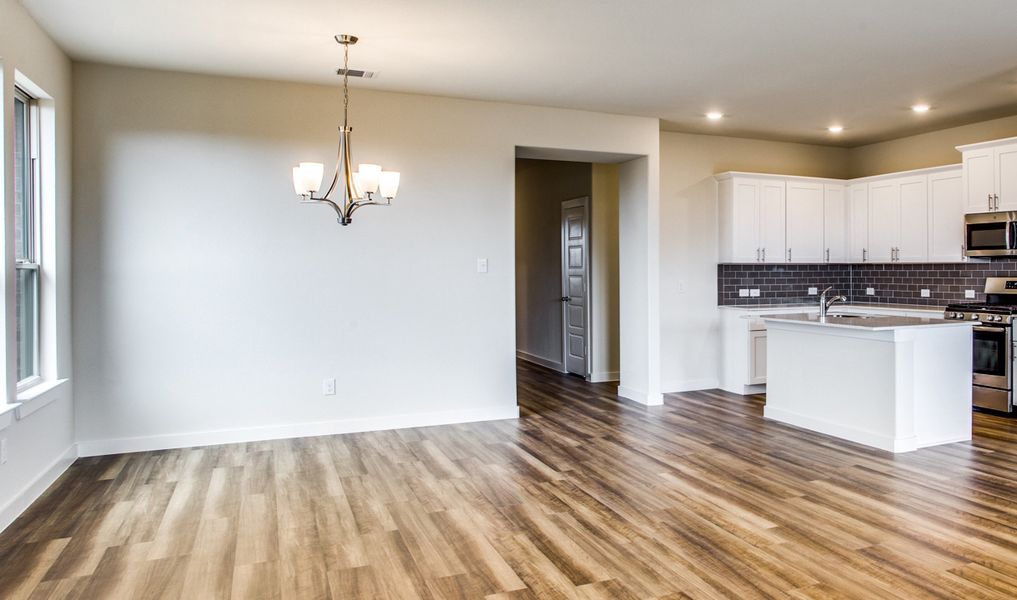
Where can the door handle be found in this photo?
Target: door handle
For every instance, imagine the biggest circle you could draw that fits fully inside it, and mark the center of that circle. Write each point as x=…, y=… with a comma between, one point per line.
x=789, y=254
x=764, y=254
x=757, y=255
x=995, y=198
x=865, y=254
x=990, y=201
x=565, y=298
x=827, y=255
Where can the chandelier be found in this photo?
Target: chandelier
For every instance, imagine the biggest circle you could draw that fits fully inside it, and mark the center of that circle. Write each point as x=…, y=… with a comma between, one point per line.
x=368, y=186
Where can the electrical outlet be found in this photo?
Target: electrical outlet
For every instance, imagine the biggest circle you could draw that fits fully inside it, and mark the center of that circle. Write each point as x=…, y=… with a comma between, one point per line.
x=328, y=386
x=813, y=291
x=481, y=265
x=753, y=293
x=743, y=293
x=3, y=451
x=682, y=286
x=969, y=293
x=870, y=291
x=926, y=293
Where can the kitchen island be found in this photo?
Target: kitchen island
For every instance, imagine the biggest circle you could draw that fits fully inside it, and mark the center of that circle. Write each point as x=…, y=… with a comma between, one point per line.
x=893, y=383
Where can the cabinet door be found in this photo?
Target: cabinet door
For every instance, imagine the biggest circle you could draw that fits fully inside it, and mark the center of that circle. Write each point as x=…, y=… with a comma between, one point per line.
x=772, y=221
x=884, y=220
x=946, y=217
x=913, y=236
x=804, y=222
x=744, y=222
x=858, y=225
x=757, y=357
x=979, y=180
x=835, y=223
x=1006, y=176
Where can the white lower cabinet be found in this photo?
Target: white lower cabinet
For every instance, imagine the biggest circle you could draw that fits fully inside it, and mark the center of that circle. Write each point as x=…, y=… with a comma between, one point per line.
x=743, y=340
x=757, y=355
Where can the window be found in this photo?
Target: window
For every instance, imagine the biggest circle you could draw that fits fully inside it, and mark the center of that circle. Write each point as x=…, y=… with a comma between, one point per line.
x=26, y=235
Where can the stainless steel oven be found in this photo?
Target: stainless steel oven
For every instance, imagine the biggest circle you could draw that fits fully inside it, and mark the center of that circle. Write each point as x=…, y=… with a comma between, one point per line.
x=990, y=234
x=992, y=348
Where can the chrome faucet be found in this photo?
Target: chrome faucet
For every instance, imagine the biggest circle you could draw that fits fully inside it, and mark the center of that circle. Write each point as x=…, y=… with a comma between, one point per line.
x=825, y=304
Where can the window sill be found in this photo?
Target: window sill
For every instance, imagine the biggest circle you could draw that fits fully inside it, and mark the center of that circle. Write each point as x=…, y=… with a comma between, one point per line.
x=6, y=415
x=38, y=396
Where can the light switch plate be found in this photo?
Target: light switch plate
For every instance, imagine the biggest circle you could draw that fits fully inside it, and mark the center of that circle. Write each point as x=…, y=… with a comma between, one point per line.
x=870, y=291
x=328, y=386
x=481, y=265
x=753, y=293
x=969, y=293
x=813, y=291
x=743, y=293
x=926, y=293
x=3, y=451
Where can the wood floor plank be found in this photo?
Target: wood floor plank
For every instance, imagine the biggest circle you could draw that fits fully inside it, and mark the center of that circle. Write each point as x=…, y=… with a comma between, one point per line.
x=584, y=497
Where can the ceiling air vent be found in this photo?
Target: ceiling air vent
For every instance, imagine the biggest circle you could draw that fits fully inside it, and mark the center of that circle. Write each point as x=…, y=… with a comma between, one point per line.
x=356, y=73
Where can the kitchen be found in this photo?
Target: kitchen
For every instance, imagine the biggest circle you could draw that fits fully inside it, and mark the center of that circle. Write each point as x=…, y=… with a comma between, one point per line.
x=910, y=252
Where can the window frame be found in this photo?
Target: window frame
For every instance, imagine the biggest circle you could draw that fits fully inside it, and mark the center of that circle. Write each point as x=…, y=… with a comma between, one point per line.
x=33, y=261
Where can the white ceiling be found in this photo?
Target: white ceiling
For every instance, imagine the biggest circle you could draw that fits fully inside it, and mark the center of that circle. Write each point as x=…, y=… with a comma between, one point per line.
x=780, y=69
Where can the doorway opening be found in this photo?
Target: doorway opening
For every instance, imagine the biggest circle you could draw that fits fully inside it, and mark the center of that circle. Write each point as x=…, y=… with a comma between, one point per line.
x=567, y=293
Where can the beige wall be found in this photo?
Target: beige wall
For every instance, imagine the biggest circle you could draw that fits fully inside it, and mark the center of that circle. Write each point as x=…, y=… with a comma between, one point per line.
x=925, y=150
x=604, y=328
x=541, y=187
x=688, y=280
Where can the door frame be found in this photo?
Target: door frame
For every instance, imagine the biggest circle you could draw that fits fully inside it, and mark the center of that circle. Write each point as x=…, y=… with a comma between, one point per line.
x=584, y=202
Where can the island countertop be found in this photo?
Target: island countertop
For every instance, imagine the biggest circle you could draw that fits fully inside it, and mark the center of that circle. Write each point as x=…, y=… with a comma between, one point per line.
x=866, y=322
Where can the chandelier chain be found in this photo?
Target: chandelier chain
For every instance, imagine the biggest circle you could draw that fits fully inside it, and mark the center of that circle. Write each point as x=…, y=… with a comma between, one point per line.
x=346, y=85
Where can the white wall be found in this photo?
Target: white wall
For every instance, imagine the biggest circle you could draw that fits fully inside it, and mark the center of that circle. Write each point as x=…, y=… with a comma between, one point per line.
x=40, y=444
x=689, y=317
x=541, y=187
x=208, y=300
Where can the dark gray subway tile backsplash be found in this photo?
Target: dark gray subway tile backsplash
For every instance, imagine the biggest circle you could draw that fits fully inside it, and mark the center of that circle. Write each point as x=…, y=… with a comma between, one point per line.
x=893, y=283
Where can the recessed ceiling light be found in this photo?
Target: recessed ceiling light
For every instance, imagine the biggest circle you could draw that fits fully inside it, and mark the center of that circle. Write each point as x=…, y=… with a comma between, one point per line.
x=714, y=115
x=920, y=108
x=835, y=128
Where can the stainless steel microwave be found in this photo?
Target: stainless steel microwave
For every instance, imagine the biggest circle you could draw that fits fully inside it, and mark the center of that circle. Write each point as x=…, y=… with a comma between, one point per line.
x=991, y=234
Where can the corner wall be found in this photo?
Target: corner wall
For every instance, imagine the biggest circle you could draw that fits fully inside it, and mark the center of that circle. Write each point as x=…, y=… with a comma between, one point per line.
x=690, y=326
x=40, y=445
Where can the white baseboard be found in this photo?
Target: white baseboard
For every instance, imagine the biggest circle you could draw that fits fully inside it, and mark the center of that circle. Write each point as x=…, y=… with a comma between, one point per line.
x=34, y=489
x=640, y=397
x=745, y=390
x=689, y=385
x=555, y=365
x=296, y=430
x=851, y=434
x=604, y=376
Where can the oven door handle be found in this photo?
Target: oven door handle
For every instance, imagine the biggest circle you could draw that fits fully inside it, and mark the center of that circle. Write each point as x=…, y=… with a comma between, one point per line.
x=990, y=328
x=1010, y=237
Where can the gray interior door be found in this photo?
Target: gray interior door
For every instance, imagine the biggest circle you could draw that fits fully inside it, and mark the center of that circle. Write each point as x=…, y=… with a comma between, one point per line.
x=575, y=279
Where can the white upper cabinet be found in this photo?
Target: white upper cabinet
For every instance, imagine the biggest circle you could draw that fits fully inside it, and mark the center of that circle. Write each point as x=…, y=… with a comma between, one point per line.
x=858, y=225
x=752, y=220
x=884, y=220
x=946, y=211
x=772, y=221
x=913, y=233
x=835, y=223
x=990, y=176
x=805, y=205
x=916, y=216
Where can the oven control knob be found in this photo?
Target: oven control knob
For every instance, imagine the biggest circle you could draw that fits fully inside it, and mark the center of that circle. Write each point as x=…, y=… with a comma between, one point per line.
x=974, y=317
x=997, y=318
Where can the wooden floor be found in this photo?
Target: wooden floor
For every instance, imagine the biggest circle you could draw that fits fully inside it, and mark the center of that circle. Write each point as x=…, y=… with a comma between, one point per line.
x=583, y=497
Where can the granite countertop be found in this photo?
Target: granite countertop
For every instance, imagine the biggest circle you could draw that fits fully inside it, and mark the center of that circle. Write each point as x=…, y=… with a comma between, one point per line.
x=868, y=323
x=836, y=307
